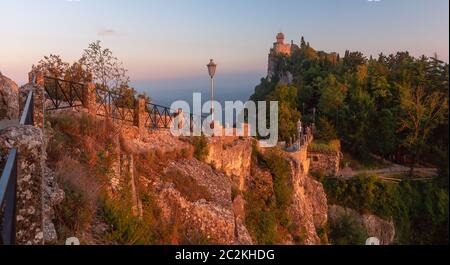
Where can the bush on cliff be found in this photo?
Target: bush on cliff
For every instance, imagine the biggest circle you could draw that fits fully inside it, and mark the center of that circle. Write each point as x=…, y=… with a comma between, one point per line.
x=347, y=231
x=267, y=218
x=281, y=173
x=201, y=150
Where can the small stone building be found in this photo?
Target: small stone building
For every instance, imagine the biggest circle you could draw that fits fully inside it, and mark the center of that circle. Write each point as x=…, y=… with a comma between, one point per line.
x=325, y=162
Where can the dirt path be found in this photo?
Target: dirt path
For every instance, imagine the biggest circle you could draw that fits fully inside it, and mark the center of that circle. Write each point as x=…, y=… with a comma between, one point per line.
x=389, y=172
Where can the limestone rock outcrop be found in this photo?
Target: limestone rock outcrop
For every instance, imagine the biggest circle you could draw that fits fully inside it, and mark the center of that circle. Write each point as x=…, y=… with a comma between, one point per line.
x=37, y=189
x=309, y=208
x=382, y=229
x=9, y=98
x=29, y=142
x=210, y=214
x=232, y=156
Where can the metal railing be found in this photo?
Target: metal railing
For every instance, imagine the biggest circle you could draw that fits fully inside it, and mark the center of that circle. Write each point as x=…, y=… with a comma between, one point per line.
x=8, y=188
x=115, y=105
x=28, y=111
x=8, y=183
x=63, y=94
x=158, y=116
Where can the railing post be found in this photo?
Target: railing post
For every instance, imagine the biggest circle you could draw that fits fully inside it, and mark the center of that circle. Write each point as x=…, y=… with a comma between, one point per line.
x=29, y=142
x=37, y=82
x=141, y=115
x=90, y=98
x=180, y=116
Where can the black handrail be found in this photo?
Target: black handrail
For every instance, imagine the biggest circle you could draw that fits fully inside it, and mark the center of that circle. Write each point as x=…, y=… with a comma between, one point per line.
x=28, y=112
x=109, y=104
x=8, y=188
x=63, y=94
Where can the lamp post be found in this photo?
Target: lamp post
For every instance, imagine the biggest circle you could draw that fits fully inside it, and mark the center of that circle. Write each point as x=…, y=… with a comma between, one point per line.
x=212, y=71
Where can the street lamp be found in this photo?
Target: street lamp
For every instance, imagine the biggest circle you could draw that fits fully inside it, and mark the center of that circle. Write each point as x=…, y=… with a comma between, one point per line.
x=212, y=71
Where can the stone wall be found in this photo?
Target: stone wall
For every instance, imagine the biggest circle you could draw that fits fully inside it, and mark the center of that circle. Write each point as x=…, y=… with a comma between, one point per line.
x=30, y=143
x=37, y=189
x=36, y=84
x=324, y=162
x=232, y=156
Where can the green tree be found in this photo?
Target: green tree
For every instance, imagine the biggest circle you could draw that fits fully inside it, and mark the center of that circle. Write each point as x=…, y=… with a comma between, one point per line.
x=333, y=96
x=106, y=69
x=383, y=137
x=288, y=114
x=422, y=113
x=347, y=231
x=52, y=65
x=326, y=131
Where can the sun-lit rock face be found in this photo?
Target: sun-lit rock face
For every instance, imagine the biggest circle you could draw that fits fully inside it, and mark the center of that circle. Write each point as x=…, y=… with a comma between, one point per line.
x=232, y=156
x=9, y=99
x=309, y=208
x=206, y=209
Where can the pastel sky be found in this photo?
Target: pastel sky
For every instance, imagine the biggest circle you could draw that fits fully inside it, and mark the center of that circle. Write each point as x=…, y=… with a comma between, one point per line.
x=172, y=40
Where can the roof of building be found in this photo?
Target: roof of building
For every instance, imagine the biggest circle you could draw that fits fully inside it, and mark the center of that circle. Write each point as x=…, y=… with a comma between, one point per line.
x=280, y=35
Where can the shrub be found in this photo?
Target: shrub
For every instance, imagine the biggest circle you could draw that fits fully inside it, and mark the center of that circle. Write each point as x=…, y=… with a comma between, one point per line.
x=125, y=227
x=347, y=231
x=201, y=151
x=267, y=217
x=281, y=173
x=325, y=147
x=326, y=131
x=187, y=153
x=73, y=213
x=262, y=225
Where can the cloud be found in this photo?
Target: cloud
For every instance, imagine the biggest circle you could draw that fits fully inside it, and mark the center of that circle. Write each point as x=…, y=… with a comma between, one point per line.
x=107, y=32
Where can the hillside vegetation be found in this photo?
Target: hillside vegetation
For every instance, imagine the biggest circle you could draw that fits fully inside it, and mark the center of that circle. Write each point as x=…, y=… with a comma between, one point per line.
x=392, y=106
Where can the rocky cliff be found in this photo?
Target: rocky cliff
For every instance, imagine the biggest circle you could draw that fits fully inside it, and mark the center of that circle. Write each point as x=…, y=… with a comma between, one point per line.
x=309, y=207
x=191, y=194
x=209, y=213
x=231, y=156
x=9, y=99
x=384, y=230
x=205, y=201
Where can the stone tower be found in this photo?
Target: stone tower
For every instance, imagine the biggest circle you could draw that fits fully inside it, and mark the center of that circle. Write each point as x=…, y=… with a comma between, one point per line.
x=279, y=48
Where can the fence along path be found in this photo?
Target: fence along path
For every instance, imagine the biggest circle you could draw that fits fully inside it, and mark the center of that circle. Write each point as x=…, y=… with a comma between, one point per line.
x=63, y=94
